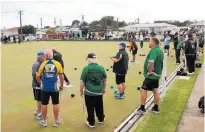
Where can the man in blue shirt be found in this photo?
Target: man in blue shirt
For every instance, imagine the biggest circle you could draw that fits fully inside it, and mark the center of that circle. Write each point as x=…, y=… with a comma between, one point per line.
x=166, y=44
x=35, y=85
x=49, y=72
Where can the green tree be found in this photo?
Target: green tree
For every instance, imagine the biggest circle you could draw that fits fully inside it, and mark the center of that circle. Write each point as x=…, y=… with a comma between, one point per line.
x=75, y=22
x=115, y=25
x=94, y=26
x=108, y=20
x=51, y=31
x=84, y=24
x=46, y=26
x=122, y=24
x=27, y=29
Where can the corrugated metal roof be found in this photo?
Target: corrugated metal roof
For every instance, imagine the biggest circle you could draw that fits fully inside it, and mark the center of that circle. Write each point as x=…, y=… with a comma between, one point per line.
x=198, y=24
x=150, y=25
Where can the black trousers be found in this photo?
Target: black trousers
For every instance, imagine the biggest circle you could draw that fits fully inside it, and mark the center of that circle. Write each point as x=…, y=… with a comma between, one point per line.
x=65, y=77
x=94, y=104
x=177, y=53
x=141, y=44
x=190, y=63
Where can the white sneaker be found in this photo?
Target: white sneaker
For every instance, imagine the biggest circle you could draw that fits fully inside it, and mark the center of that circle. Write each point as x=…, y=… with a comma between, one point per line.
x=65, y=86
x=88, y=124
x=190, y=73
x=101, y=122
x=36, y=111
x=57, y=123
x=43, y=123
x=39, y=116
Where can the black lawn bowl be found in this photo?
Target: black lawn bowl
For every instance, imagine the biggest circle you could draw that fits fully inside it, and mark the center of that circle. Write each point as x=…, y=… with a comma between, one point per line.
x=183, y=74
x=181, y=69
x=140, y=72
x=72, y=95
x=142, y=54
x=107, y=69
x=198, y=65
x=75, y=68
x=179, y=73
x=110, y=66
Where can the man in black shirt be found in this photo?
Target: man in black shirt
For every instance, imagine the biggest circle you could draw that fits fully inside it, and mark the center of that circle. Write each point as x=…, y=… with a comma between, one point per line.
x=120, y=68
x=58, y=57
x=175, y=41
x=190, y=52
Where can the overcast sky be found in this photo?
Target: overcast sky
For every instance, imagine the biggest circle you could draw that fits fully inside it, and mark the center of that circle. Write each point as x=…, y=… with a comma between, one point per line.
x=128, y=10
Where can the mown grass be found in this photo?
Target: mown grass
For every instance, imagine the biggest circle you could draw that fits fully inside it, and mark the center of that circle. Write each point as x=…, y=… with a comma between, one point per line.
x=17, y=97
x=171, y=107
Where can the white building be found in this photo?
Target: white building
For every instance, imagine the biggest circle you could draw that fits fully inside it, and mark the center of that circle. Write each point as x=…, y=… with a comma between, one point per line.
x=156, y=27
x=63, y=29
x=75, y=31
x=198, y=25
x=9, y=31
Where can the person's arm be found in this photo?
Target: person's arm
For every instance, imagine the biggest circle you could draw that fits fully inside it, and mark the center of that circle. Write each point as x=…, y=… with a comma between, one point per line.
x=39, y=73
x=186, y=47
x=35, y=68
x=61, y=76
x=105, y=80
x=152, y=59
x=130, y=47
x=117, y=58
x=82, y=81
x=82, y=85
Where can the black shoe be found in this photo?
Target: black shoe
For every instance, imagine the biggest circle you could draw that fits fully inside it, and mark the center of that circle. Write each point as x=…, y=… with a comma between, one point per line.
x=155, y=110
x=141, y=111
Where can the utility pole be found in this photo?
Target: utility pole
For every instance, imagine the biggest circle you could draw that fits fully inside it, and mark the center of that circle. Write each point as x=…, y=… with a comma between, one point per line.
x=41, y=22
x=83, y=18
x=117, y=25
x=61, y=25
x=20, y=13
x=54, y=21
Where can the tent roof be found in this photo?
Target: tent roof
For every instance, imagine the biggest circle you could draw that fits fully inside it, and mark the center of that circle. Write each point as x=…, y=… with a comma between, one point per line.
x=149, y=25
x=198, y=24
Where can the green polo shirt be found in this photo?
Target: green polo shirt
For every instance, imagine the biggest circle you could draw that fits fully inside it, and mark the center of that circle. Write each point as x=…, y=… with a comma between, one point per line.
x=155, y=55
x=179, y=43
x=93, y=77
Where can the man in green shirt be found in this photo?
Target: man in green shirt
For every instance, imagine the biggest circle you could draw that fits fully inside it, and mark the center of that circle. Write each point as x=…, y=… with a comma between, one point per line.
x=152, y=71
x=178, y=48
x=92, y=86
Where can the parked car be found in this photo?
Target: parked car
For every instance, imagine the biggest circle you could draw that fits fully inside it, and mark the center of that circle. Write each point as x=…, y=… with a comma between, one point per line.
x=30, y=38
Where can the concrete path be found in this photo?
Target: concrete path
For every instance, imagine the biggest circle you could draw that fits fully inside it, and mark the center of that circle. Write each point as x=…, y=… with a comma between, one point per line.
x=192, y=119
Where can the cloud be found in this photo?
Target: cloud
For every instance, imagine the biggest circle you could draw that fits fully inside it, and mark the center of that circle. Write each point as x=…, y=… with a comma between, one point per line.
x=128, y=10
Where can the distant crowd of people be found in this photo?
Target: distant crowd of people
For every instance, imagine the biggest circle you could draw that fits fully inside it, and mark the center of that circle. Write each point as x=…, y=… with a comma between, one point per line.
x=12, y=39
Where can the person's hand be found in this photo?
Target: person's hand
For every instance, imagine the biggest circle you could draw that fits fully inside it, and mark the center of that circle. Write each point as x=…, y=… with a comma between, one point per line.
x=103, y=91
x=61, y=88
x=81, y=94
x=150, y=73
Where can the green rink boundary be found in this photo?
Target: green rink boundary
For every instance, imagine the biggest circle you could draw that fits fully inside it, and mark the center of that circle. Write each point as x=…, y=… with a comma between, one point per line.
x=171, y=107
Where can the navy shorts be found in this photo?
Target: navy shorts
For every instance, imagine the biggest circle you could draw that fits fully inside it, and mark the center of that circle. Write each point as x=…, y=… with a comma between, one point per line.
x=166, y=47
x=150, y=84
x=120, y=78
x=134, y=52
x=46, y=97
x=37, y=94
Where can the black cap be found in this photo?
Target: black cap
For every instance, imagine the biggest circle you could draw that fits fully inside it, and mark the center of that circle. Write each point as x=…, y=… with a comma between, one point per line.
x=91, y=55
